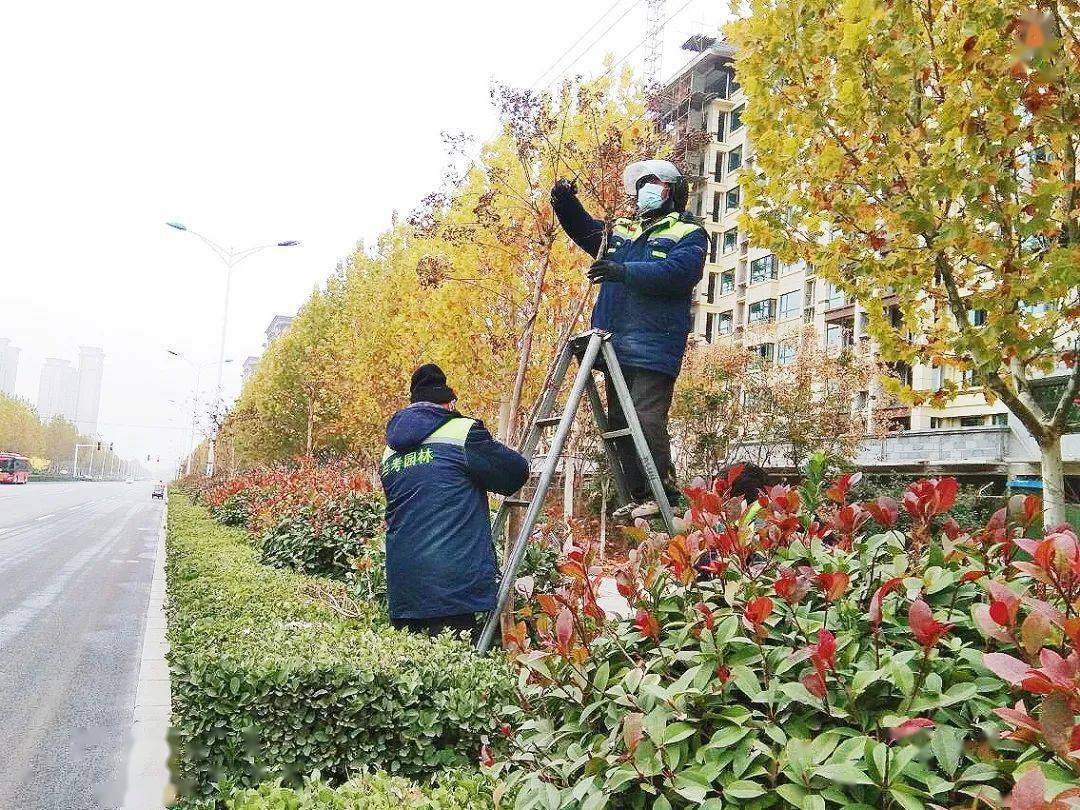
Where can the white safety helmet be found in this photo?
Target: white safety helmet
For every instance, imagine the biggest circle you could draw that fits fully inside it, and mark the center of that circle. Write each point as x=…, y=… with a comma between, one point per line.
x=660, y=169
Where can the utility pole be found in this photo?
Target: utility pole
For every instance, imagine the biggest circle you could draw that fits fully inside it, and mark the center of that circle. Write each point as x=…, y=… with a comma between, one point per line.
x=197, y=369
x=75, y=461
x=230, y=258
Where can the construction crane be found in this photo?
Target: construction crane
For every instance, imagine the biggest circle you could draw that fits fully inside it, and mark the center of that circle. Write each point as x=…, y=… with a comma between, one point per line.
x=654, y=43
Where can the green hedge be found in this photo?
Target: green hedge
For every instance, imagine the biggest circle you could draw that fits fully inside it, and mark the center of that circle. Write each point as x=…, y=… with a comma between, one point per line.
x=453, y=790
x=325, y=540
x=269, y=682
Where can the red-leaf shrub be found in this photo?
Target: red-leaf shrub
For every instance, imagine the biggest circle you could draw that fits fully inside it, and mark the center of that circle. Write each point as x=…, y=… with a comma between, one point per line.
x=788, y=658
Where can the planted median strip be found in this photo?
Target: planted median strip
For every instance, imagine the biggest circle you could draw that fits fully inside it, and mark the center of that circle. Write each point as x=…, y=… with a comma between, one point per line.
x=271, y=682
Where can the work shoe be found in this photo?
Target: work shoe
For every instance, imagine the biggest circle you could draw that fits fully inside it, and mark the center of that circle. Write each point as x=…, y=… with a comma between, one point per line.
x=645, y=509
x=625, y=511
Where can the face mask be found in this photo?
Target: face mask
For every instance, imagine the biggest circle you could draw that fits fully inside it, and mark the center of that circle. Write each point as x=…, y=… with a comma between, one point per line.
x=650, y=197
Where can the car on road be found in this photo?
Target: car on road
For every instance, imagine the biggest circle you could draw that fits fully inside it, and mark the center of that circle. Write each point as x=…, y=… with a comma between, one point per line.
x=159, y=491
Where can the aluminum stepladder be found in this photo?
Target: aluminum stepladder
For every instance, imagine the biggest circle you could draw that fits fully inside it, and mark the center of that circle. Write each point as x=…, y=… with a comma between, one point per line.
x=587, y=347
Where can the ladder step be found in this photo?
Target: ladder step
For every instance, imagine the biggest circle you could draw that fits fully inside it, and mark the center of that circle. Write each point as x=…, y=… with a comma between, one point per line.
x=616, y=434
x=516, y=502
x=549, y=421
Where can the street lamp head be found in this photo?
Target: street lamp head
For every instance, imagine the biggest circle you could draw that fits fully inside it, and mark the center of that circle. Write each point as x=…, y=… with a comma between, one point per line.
x=179, y=226
x=288, y=243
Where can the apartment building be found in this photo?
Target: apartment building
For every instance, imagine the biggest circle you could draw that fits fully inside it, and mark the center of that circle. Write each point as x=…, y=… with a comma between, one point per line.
x=9, y=366
x=749, y=297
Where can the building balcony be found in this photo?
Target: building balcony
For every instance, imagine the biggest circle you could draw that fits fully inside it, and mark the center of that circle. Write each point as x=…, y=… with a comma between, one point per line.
x=835, y=311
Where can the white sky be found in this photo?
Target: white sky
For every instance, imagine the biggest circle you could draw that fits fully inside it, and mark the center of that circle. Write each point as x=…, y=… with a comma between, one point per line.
x=250, y=122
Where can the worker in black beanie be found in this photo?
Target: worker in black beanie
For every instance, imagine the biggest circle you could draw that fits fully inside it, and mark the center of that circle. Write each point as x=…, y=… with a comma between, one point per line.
x=437, y=470
x=429, y=385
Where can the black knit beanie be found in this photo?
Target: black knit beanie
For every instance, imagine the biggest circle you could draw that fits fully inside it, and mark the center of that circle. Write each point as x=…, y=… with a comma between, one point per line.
x=429, y=385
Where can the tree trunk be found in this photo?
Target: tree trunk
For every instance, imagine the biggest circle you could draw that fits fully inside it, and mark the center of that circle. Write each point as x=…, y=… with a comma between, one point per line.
x=1053, y=479
x=513, y=526
x=526, y=344
x=503, y=431
x=310, y=427
x=569, y=485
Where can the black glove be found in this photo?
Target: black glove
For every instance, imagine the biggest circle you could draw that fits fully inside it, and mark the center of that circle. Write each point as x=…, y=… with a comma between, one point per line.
x=605, y=270
x=563, y=190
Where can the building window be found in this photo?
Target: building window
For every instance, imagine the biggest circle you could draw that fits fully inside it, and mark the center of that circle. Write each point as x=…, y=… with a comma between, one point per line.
x=972, y=421
x=976, y=317
x=736, y=118
x=713, y=239
x=999, y=419
x=938, y=423
x=967, y=378
x=734, y=159
x=725, y=323
x=790, y=305
x=763, y=269
x=731, y=240
x=710, y=294
x=837, y=336
x=785, y=355
x=716, y=206
x=761, y=311
x=720, y=133
x=732, y=201
x=935, y=378
x=710, y=320
x=727, y=282
x=834, y=297
x=764, y=350
x=789, y=268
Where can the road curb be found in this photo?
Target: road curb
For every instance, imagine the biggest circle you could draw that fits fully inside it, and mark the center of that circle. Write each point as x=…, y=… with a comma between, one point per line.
x=148, y=783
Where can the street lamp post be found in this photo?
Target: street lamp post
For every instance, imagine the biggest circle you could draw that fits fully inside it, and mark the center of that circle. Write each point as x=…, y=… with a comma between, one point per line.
x=197, y=369
x=230, y=258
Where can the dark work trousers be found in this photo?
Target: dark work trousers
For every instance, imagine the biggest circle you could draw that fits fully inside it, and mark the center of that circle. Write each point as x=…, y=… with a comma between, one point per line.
x=463, y=623
x=651, y=392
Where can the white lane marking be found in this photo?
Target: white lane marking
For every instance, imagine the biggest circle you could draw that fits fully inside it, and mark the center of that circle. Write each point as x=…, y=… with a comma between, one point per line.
x=44, y=517
x=15, y=621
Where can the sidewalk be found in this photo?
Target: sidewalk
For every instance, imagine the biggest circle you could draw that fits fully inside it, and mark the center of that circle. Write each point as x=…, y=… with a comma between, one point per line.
x=147, y=773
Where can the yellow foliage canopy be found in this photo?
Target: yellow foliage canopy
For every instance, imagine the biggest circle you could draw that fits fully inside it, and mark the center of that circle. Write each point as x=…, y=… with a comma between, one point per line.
x=478, y=280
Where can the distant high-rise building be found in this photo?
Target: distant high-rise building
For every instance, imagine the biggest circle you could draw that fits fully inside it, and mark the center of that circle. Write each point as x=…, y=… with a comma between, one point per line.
x=88, y=402
x=249, y=367
x=58, y=390
x=9, y=366
x=278, y=325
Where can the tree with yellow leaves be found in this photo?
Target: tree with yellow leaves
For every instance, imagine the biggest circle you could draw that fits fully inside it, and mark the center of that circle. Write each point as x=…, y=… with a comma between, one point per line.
x=922, y=154
x=476, y=280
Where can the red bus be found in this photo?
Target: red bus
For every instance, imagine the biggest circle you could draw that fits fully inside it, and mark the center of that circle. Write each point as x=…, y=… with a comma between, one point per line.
x=14, y=469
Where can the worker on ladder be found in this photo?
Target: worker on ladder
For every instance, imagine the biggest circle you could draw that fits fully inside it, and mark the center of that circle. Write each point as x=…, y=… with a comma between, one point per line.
x=647, y=275
x=437, y=469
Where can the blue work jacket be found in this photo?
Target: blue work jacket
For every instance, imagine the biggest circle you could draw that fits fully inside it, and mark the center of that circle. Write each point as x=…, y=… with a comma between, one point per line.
x=437, y=469
x=648, y=315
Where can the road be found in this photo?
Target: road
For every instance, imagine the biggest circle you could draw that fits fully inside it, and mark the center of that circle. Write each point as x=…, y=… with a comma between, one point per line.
x=76, y=561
